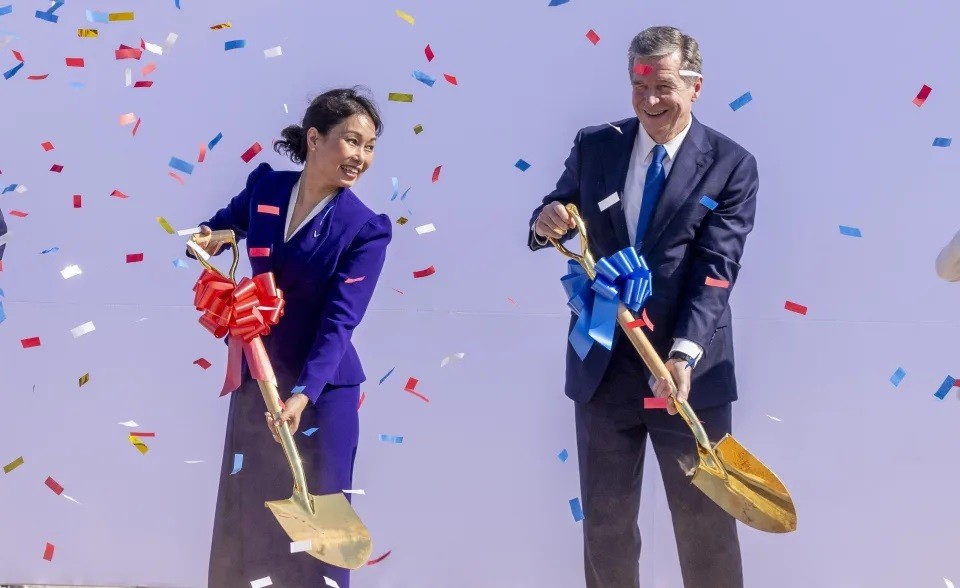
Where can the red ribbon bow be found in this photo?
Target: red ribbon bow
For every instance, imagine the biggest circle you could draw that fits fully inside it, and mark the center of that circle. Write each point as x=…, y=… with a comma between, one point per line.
x=245, y=311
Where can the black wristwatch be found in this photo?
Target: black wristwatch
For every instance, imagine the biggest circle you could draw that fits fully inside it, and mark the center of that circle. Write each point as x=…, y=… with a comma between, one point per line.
x=679, y=355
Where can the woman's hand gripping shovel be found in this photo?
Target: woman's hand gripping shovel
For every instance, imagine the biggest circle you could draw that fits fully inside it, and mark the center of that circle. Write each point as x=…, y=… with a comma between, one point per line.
x=337, y=535
x=727, y=473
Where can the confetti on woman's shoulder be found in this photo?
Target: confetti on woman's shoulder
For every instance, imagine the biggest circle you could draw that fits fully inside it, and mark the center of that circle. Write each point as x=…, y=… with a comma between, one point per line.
x=897, y=377
x=450, y=358
x=593, y=37
x=235, y=44
x=237, y=463
x=922, y=95
x=273, y=52
x=522, y=165
x=399, y=97
x=794, y=307
x=405, y=16
x=13, y=465
x=425, y=272
x=251, y=152
x=576, y=510
x=426, y=79
x=379, y=559
x=436, y=173
x=942, y=142
x=741, y=101
x=850, y=231
x=390, y=438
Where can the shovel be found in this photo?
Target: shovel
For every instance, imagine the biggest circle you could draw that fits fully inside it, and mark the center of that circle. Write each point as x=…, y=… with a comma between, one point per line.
x=337, y=535
x=727, y=473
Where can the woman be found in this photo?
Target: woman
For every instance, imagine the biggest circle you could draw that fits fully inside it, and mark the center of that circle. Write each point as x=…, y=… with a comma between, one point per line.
x=948, y=261
x=326, y=249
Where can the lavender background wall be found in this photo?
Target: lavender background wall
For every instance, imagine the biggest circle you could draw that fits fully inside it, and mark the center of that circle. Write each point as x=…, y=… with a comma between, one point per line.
x=475, y=496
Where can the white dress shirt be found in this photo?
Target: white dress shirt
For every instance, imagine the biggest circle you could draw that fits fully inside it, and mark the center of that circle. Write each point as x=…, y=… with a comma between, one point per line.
x=293, y=203
x=948, y=262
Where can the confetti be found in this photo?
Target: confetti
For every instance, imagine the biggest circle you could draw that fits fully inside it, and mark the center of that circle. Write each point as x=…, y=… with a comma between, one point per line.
x=138, y=444
x=148, y=69
x=609, y=201
x=30, y=342
x=213, y=142
x=708, y=202
x=38, y=77
x=235, y=44
x=417, y=129
x=850, y=231
x=143, y=84
x=948, y=583
x=129, y=424
x=48, y=552
x=71, y=271
x=51, y=250
x=379, y=559
x=19, y=213
x=298, y=389
x=47, y=146
x=390, y=438
x=83, y=329
x=650, y=403
x=203, y=363
x=354, y=280
x=47, y=16
x=774, y=418
x=522, y=165
x=71, y=499
x=428, y=52
x=615, y=127
x=410, y=387
x=741, y=101
x=310, y=431
x=301, y=546
x=74, y=61
x=423, y=229
x=134, y=257
x=436, y=173
x=330, y=582
x=77, y=200
x=261, y=583
x=387, y=375
x=405, y=16
x=576, y=510
x=642, y=69
x=557, y=2
x=922, y=95
x=794, y=307
x=143, y=434
x=897, y=377
x=419, y=75
x=118, y=16
x=267, y=209
x=716, y=283
x=563, y=455
x=13, y=465
x=942, y=142
x=945, y=387
x=135, y=127
x=259, y=252
x=643, y=321
x=450, y=78
x=450, y=358
x=181, y=165
x=53, y=485
x=273, y=52
x=88, y=33
x=84, y=379
x=9, y=8
x=223, y=25
x=12, y=71
x=358, y=491
x=165, y=225
x=118, y=194
x=363, y=396
x=399, y=97
x=125, y=52
x=593, y=37
x=179, y=264
x=57, y=168
x=203, y=153
x=425, y=272
x=237, y=463
x=402, y=220
x=249, y=153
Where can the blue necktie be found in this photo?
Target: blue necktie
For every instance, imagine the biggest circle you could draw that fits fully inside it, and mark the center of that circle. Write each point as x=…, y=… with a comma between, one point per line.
x=652, y=188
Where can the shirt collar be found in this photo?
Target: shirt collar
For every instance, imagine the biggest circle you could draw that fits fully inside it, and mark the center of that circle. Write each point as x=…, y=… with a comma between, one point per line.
x=645, y=144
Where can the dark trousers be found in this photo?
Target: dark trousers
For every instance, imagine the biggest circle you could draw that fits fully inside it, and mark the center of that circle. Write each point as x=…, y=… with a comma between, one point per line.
x=612, y=431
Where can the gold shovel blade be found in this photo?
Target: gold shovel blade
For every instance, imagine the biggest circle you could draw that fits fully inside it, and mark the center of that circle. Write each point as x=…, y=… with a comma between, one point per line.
x=749, y=491
x=337, y=535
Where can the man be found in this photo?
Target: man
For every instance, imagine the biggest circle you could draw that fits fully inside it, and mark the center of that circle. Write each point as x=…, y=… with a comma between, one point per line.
x=948, y=261
x=3, y=237
x=639, y=182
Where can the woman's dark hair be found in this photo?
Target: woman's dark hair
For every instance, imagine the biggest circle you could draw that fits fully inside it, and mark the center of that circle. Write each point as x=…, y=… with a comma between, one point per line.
x=325, y=112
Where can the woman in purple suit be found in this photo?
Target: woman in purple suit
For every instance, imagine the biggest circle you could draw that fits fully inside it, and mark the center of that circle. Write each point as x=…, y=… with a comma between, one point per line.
x=326, y=249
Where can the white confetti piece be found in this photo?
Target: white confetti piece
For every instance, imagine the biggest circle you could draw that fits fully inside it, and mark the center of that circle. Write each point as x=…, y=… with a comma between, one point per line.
x=71, y=499
x=285, y=109
x=171, y=39
x=20, y=189
x=273, y=52
x=71, y=271
x=301, y=546
x=153, y=48
x=129, y=424
x=450, y=358
x=361, y=492
x=690, y=73
x=774, y=418
x=185, y=232
x=428, y=228
x=83, y=329
x=196, y=249
x=948, y=582
x=140, y=320
x=333, y=583
x=616, y=127
x=261, y=583
x=194, y=461
x=609, y=201
x=128, y=76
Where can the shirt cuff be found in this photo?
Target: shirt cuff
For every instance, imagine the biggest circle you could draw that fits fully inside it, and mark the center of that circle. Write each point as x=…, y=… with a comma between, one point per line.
x=688, y=347
x=538, y=239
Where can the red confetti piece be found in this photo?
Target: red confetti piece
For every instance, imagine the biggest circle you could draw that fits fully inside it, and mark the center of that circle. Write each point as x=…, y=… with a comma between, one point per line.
x=47, y=146
x=30, y=342
x=363, y=396
x=450, y=78
x=203, y=153
x=636, y=323
x=511, y=300
x=143, y=434
x=411, y=384
x=77, y=200
x=143, y=84
x=127, y=53
x=251, y=152
x=134, y=257
x=259, y=252
x=653, y=403
x=643, y=321
x=267, y=209
x=642, y=69
x=56, y=168
x=203, y=363
x=956, y=382
x=135, y=127
x=593, y=37
x=794, y=307
x=148, y=69
x=177, y=178
x=379, y=559
x=428, y=52
x=354, y=280
x=38, y=76
x=18, y=213
x=53, y=485
x=717, y=283
x=436, y=173
x=424, y=273
x=922, y=95
x=16, y=55
x=74, y=62
x=48, y=552
x=118, y=194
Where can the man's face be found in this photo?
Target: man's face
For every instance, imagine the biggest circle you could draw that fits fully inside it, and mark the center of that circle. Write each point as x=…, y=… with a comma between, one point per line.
x=661, y=98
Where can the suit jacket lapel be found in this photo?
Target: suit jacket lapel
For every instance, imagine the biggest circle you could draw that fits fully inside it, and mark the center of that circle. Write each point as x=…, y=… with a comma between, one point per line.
x=272, y=193
x=693, y=159
x=616, y=167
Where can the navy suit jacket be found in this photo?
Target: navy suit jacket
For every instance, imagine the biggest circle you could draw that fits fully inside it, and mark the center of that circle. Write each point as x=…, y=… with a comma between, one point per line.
x=685, y=244
x=3, y=231
x=311, y=345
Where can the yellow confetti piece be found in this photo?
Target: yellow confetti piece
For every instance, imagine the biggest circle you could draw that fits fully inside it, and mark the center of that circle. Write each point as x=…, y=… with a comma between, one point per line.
x=115, y=16
x=88, y=33
x=405, y=16
x=165, y=225
x=84, y=379
x=223, y=25
x=418, y=129
x=13, y=465
x=402, y=220
x=399, y=97
x=141, y=447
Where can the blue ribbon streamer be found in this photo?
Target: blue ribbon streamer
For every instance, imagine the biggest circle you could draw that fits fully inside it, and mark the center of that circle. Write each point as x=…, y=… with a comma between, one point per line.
x=621, y=277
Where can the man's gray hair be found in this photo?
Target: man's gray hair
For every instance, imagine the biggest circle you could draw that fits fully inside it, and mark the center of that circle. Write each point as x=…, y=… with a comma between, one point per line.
x=661, y=41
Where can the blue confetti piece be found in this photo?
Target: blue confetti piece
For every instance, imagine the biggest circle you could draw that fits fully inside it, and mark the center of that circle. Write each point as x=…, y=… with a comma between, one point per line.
x=180, y=264
x=177, y=4
x=741, y=101
x=298, y=389
x=9, y=188
x=708, y=202
x=396, y=188
x=47, y=16
x=181, y=165
x=391, y=439
x=897, y=377
x=237, y=44
x=563, y=455
x=6, y=9
x=13, y=71
x=310, y=431
x=945, y=388
x=522, y=165
x=557, y=2
x=237, y=463
x=850, y=231
x=3, y=315
x=942, y=142
x=51, y=250
x=387, y=376
x=1, y=293
x=576, y=509
x=424, y=78
x=213, y=142
x=77, y=85
x=56, y=6
x=405, y=195
x=94, y=16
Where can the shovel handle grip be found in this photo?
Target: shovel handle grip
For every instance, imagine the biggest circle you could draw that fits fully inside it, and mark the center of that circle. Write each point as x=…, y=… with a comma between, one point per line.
x=272, y=399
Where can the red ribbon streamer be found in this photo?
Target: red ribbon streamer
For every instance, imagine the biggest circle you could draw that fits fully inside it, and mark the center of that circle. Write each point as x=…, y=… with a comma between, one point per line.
x=245, y=311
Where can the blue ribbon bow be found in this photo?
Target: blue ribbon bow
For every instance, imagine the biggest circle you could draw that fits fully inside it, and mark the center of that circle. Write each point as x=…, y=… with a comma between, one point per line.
x=621, y=277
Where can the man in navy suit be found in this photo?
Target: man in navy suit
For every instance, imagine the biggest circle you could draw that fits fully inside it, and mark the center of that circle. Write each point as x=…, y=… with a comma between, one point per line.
x=684, y=196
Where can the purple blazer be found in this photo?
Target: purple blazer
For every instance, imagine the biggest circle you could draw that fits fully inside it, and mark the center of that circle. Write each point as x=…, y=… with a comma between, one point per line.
x=311, y=344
